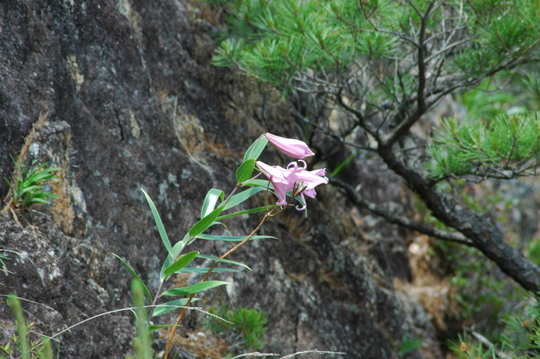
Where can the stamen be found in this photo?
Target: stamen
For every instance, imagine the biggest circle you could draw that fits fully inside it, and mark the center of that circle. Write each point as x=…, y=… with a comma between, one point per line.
x=299, y=187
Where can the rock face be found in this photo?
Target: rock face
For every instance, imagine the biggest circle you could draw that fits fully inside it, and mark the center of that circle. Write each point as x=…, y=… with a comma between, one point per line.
x=120, y=95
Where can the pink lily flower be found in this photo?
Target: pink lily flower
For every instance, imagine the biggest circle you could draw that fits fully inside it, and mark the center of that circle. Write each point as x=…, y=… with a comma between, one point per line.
x=289, y=146
x=293, y=179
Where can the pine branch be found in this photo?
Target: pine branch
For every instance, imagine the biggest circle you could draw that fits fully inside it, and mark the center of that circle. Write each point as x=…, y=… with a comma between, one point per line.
x=485, y=234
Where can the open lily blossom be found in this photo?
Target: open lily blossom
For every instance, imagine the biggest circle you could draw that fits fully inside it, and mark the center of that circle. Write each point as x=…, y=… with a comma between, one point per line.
x=295, y=179
x=290, y=146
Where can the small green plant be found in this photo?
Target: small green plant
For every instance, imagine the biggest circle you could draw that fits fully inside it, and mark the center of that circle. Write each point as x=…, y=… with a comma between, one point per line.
x=409, y=344
x=20, y=346
x=290, y=185
x=504, y=147
x=3, y=266
x=27, y=189
x=247, y=324
x=143, y=342
x=520, y=339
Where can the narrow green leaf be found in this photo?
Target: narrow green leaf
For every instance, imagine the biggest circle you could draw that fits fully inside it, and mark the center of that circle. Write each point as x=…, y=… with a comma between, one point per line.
x=22, y=328
x=259, y=183
x=172, y=305
x=136, y=276
x=254, y=151
x=195, y=288
x=143, y=340
x=223, y=260
x=153, y=328
x=31, y=189
x=179, y=246
x=248, y=211
x=166, y=264
x=176, y=250
x=244, y=172
x=211, y=237
x=210, y=201
x=159, y=223
x=181, y=262
x=205, y=269
x=242, y=196
x=344, y=163
x=205, y=222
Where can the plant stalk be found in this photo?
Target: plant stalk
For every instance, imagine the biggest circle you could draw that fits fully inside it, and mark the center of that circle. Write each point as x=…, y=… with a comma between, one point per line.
x=183, y=312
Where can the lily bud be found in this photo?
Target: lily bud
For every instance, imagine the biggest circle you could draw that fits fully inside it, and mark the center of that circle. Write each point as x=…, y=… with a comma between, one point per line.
x=289, y=146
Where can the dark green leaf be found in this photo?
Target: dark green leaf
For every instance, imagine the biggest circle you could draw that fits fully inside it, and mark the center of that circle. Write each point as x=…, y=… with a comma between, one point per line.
x=181, y=262
x=242, y=196
x=205, y=269
x=254, y=151
x=259, y=183
x=159, y=223
x=205, y=222
x=244, y=172
x=195, y=288
x=211, y=200
x=153, y=328
x=248, y=211
x=172, y=305
x=136, y=276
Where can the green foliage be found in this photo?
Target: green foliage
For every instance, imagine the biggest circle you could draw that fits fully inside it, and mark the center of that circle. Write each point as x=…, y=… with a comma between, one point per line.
x=274, y=40
x=497, y=36
x=255, y=149
x=195, y=288
x=3, y=265
x=485, y=102
x=520, y=339
x=504, y=147
x=159, y=224
x=534, y=251
x=409, y=344
x=22, y=329
x=372, y=51
x=19, y=346
x=247, y=324
x=531, y=82
x=143, y=342
x=28, y=187
x=135, y=276
x=250, y=323
x=213, y=206
x=182, y=261
x=278, y=41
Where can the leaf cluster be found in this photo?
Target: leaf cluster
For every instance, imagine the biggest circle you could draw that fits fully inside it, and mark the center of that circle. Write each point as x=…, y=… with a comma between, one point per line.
x=20, y=345
x=215, y=208
x=247, y=324
x=520, y=339
x=28, y=188
x=276, y=40
x=291, y=42
x=499, y=30
x=143, y=342
x=504, y=147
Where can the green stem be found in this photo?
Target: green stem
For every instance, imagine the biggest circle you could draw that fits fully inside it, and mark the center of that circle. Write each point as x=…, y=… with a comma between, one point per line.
x=183, y=312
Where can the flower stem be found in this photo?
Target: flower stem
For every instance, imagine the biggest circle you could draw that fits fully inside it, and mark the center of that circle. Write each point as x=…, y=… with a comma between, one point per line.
x=183, y=312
